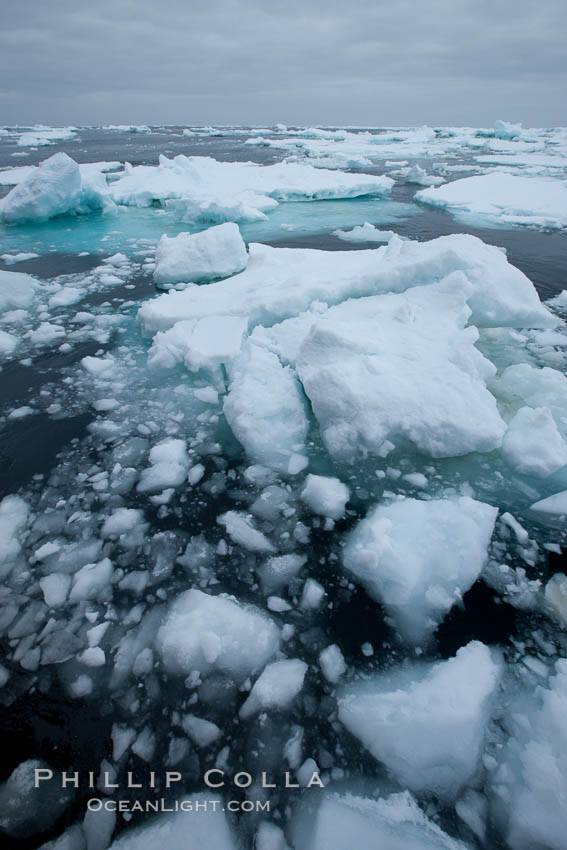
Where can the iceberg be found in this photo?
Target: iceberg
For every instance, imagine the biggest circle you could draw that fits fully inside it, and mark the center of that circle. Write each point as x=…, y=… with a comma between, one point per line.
x=419, y=557
x=427, y=723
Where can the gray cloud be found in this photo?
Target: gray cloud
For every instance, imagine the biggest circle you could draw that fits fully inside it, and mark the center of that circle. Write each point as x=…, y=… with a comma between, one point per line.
x=244, y=61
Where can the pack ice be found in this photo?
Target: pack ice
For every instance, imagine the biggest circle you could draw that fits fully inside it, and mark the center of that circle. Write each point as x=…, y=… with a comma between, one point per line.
x=427, y=723
x=419, y=381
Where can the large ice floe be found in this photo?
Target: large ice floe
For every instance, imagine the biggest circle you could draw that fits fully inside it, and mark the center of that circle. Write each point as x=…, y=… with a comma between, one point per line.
x=201, y=189
x=505, y=199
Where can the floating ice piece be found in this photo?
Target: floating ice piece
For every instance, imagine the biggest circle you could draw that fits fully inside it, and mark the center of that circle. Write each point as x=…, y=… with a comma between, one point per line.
x=265, y=409
x=276, y=573
x=523, y=384
x=57, y=187
x=418, y=379
x=418, y=175
x=202, y=732
x=427, y=723
x=121, y=521
x=532, y=444
x=240, y=528
x=419, y=557
x=14, y=513
x=556, y=504
x=505, y=130
x=169, y=466
x=325, y=495
x=270, y=837
x=205, y=633
x=91, y=581
x=276, y=687
x=17, y=291
x=40, y=135
x=343, y=821
x=332, y=663
x=55, y=588
x=364, y=233
x=556, y=597
x=200, y=257
x=202, y=344
x=20, y=257
x=8, y=343
x=504, y=199
x=279, y=283
x=54, y=189
x=200, y=189
x=532, y=779
x=209, y=828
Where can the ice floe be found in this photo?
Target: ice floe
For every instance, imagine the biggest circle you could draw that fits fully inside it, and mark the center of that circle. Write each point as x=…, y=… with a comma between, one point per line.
x=505, y=199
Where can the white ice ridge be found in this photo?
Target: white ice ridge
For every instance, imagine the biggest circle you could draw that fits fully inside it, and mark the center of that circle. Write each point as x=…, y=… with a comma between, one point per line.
x=344, y=821
x=214, y=633
x=504, y=198
x=427, y=723
x=201, y=189
x=419, y=557
x=57, y=187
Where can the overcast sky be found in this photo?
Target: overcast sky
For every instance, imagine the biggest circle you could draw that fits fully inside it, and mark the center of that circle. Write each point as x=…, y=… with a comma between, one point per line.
x=367, y=62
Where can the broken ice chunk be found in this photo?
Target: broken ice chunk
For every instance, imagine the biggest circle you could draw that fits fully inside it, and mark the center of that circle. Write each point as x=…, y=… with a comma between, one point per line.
x=532, y=444
x=427, y=723
x=276, y=688
x=325, y=495
x=200, y=257
x=204, y=633
x=419, y=557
